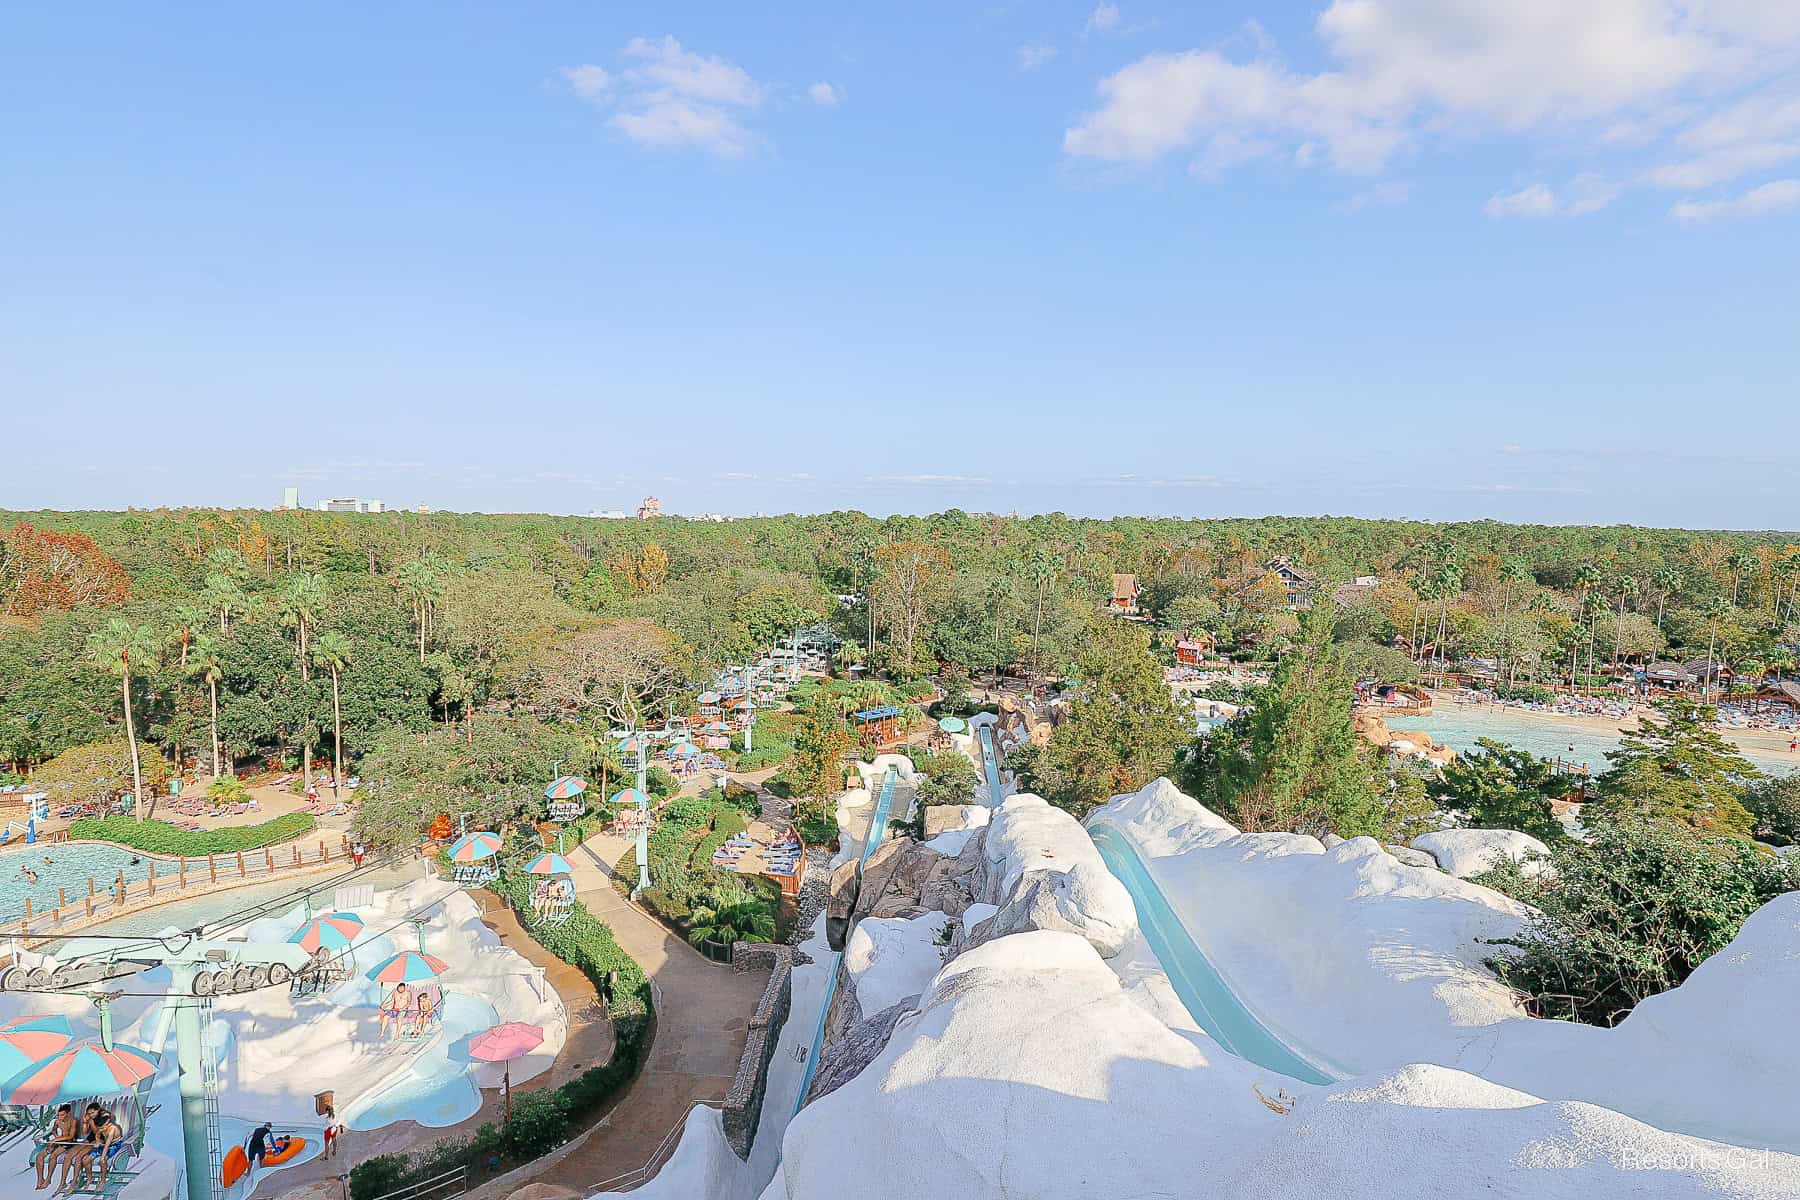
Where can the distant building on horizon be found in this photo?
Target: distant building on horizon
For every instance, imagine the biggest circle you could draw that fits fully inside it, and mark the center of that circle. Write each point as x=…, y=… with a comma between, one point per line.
x=351, y=504
x=290, y=500
x=651, y=507
x=609, y=514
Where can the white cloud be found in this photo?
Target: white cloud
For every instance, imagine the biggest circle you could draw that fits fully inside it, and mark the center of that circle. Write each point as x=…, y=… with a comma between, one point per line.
x=1104, y=17
x=1534, y=201
x=1778, y=196
x=666, y=95
x=1034, y=56
x=1401, y=74
x=1586, y=193
x=587, y=80
x=825, y=94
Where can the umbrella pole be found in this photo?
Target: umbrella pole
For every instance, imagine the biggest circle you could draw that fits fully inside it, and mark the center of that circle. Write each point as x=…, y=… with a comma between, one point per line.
x=508, y=1093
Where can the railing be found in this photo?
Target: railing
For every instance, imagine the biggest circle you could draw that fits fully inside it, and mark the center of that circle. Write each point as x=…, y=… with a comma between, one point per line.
x=177, y=877
x=454, y=1182
x=638, y=1176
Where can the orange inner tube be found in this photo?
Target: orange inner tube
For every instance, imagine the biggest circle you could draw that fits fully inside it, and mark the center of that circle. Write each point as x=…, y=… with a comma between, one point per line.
x=232, y=1169
x=295, y=1145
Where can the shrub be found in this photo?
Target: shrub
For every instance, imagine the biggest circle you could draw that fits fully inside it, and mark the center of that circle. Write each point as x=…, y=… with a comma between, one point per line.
x=227, y=789
x=1629, y=914
x=159, y=837
x=1774, y=805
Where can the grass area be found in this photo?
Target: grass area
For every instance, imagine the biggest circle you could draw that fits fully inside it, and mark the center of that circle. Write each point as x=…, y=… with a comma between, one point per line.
x=160, y=837
x=543, y=1119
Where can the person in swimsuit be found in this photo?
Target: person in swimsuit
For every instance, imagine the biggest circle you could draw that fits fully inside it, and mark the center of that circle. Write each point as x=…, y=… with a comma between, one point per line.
x=399, y=1002
x=102, y=1132
x=62, y=1139
x=422, y=1021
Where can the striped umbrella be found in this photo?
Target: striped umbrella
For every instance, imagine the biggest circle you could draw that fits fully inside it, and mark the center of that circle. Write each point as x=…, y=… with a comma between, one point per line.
x=409, y=966
x=549, y=863
x=709, y=697
x=81, y=1069
x=684, y=749
x=632, y=745
x=333, y=931
x=566, y=788
x=473, y=847
x=630, y=796
x=25, y=1040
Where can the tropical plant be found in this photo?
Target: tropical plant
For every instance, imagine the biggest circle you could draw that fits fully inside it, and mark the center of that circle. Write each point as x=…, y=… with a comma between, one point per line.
x=203, y=661
x=737, y=921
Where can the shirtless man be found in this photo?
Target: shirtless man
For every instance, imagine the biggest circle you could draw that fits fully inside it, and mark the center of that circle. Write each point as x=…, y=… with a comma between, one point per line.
x=64, y=1133
x=81, y=1160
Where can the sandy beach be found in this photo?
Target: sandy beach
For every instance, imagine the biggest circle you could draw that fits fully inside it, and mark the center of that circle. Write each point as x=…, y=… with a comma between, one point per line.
x=1762, y=741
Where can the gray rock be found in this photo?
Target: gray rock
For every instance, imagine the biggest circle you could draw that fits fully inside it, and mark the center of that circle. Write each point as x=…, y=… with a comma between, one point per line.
x=1069, y=901
x=844, y=1059
x=1411, y=857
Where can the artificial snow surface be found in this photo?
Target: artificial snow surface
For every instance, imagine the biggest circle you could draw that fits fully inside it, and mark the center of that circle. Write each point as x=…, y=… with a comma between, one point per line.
x=1467, y=852
x=891, y=958
x=1368, y=965
x=1027, y=838
x=1028, y=1071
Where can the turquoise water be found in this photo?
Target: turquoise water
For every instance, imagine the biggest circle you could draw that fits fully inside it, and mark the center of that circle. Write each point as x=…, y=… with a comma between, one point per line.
x=1461, y=728
x=70, y=866
x=1202, y=991
x=438, y=1087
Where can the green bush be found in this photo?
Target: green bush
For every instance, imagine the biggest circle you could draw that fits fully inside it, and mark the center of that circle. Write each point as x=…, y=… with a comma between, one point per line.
x=159, y=837
x=1629, y=914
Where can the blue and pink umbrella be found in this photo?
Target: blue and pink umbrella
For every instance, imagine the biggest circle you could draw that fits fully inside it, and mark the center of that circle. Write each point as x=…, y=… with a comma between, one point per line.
x=473, y=847
x=549, y=863
x=81, y=1069
x=630, y=796
x=566, y=787
x=333, y=931
x=684, y=749
x=25, y=1040
x=409, y=966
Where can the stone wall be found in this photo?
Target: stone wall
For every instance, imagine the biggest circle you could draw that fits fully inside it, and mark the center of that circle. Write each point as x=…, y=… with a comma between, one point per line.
x=743, y=1103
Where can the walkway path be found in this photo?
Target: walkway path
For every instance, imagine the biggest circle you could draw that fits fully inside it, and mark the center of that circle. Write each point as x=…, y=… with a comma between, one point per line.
x=703, y=1013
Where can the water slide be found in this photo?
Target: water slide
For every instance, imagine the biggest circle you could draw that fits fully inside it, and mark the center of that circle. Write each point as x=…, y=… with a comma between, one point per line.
x=1205, y=993
x=990, y=766
x=878, y=823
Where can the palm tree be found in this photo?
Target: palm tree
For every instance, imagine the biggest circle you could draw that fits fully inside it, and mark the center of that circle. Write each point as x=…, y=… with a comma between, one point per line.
x=1627, y=586
x=223, y=596
x=1587, y=576
x=299, y=607
x=189, y=618
x=204, y=662
x=118, y=647
x=332, y=652
x=1000, y=590
x=1785, y=575
x=1514, y=574
x=1715, y=611
x=1450, y=582
x=1043, y=571
x=1740, y=563
x=1780, y=660
x=1668, y=580
x=419, y=579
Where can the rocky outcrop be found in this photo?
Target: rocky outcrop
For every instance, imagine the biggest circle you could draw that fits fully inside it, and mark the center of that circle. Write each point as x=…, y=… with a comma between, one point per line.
x=743, y=1102
x=1413, y=858
x=1044, y=873
x=857, y=1047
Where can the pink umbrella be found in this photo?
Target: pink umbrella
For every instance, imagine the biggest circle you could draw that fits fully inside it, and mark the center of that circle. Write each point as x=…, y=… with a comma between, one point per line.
x=503, y=1043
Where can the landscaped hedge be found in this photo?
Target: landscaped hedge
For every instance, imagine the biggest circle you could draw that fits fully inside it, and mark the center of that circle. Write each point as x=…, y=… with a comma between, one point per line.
x=541, y=1118
x=160, y=837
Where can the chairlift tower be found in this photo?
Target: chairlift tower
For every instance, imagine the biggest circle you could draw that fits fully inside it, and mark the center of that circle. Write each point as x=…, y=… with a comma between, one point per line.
x=199, y=969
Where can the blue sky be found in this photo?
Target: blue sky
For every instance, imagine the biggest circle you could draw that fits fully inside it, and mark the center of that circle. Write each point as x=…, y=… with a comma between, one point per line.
x=1435, y=258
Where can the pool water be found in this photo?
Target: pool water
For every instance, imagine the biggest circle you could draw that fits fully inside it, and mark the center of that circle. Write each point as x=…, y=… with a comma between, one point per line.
x=1460, y=729
x=438, y=1087
x=68, y=866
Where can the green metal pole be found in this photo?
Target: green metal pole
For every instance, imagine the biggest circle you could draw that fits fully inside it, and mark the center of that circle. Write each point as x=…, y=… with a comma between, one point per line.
x=193, y=1083
x=643, y=833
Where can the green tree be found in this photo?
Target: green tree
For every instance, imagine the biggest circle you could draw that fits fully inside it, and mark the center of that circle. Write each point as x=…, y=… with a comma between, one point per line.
x=298, y=608
x=1499, y=787
x=118, y=648
x=1678, y=768
x=224, y=596
x=1191, y=614
x=189, y=618
x=1668, y=581
x=821, y=743
x=1293, y=759
x=739, y=921
x=1774, y=804
x=1124, y=727
x=420, y=581
x=332, y=652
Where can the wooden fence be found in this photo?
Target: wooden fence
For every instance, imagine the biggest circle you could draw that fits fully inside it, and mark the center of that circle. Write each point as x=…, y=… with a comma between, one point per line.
x=171, y=879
